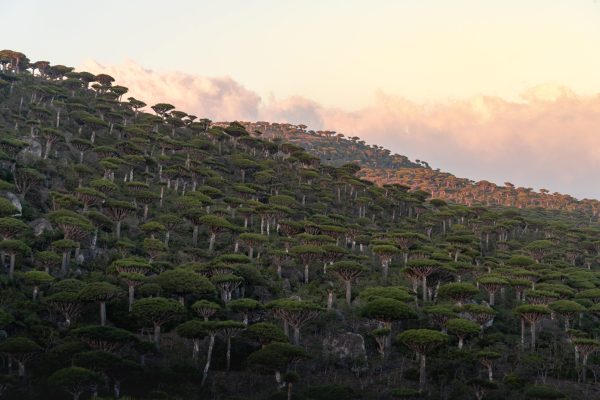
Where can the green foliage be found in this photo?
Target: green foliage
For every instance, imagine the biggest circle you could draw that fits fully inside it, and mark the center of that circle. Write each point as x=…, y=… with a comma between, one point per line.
x=387, y=310
x=422, y=340
x=543, y=393
x=458, y=291
x=19, y=346
x=99, y=291
x=265, y=333
x=325, y=392
x=74, y=380
x=183, y=282
x=277, y=356
x=389, y=292
x=462, y=327
x=157, y=310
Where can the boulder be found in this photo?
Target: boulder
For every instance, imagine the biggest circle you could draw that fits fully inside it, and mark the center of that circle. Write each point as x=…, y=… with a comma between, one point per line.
x=14, y=199
x=33, y=150
x=346, y=350
x=40, y=225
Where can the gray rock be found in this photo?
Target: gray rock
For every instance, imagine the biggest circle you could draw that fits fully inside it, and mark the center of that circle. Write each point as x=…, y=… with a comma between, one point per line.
x=34, y=149
x=14, y=199
x=347, y=350
x=40, y=225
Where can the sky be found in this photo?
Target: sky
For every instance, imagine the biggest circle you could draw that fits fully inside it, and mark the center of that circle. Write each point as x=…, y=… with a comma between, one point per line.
x=497, y=90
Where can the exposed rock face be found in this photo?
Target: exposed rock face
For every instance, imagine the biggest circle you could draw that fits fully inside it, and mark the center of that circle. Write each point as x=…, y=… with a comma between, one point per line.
x=40, y=225
x=346, y=349
x=14, y=199
x=34, y=149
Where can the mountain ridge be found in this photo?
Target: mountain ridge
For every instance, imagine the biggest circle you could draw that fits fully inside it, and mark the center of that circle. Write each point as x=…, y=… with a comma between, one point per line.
x=380, y=166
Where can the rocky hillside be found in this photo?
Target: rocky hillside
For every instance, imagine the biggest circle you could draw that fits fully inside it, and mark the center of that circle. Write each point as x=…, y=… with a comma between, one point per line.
x=380, y=166
x=332, y=148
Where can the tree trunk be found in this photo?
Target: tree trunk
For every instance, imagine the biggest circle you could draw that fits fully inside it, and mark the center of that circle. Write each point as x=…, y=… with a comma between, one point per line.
x=490, y=373
x=532, y=335
x=385, y=270
x=117, y=389
x=21, y=368
x=424, y=288
x=296, y=335
x=118, y=230
x=522, y=333
x=35, y=292
x=131, y=297
x=94, y=239
x=195, y=236
x=196, y=348
x=11, y=271
x=306, y=273
x=157, y=335
x=103, y=313
x=460, y=342
x=228, y=353
x=422, y=372
x=278, y=379
x=47, y=150
x=348, y=292
x=492, y=298
x=211, y=344
x=211, y=243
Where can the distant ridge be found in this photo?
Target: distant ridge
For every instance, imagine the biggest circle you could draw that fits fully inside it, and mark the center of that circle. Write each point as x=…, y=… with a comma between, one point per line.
x=382, y=167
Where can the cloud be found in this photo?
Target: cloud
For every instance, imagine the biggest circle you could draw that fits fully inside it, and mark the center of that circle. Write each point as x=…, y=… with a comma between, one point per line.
x=218, y=98
x=548, y=138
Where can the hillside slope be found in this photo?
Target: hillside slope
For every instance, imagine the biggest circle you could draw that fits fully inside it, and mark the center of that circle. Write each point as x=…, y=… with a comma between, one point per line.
x=380, y=166
x=332, y=148
x=154, y=257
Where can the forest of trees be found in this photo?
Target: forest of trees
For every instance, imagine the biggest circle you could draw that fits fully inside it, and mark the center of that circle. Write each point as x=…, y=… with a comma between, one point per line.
x=445, y=186
x=331, y=147
x=380, y=166
x=147, y=253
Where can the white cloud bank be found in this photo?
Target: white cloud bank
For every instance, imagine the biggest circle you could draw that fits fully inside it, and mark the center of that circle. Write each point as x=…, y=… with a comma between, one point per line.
x=550, y=138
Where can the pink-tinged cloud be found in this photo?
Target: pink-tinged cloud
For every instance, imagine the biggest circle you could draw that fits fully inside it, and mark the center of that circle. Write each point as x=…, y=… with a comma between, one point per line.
x=548, y=138
x=219, y=98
